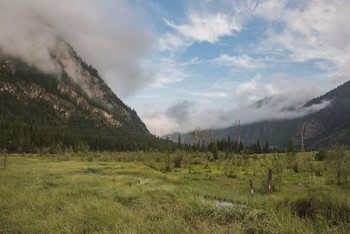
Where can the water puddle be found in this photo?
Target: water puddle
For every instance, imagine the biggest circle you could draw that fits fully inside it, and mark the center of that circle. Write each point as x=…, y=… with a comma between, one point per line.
x=226, y=204
x=220, y=204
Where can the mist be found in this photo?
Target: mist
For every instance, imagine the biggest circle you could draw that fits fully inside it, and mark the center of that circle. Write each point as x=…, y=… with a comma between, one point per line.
x=162, y=124
x=285, y=99
x=103, y=33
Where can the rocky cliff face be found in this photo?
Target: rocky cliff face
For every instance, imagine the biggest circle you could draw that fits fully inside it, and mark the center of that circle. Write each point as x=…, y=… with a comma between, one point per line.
x=75, y=95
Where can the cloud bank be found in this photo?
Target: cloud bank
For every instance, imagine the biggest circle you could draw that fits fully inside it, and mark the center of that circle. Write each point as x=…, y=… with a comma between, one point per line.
x=103, y=33
x=286, y=101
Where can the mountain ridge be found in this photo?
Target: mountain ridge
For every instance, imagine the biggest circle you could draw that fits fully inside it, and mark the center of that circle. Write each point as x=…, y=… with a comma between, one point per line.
x=77, y=102
x=322, y=128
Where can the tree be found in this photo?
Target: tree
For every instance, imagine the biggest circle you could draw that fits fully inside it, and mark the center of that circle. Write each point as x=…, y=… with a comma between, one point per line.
x=179, y=143
x=339, y=161
x=168, y=148
x=291, y=155
x=258, y=147
x=205, y=137
x=266, y=148
x=240, y=147
x=214, y=149
x=178, y=158
x=291, y=148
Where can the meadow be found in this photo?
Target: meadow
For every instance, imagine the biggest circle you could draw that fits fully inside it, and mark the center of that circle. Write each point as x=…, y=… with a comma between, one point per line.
x=170, y=193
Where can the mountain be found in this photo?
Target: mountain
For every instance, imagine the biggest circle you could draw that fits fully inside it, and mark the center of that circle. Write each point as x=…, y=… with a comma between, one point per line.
x=72, y=108
x=320, y=128
x=323, y=128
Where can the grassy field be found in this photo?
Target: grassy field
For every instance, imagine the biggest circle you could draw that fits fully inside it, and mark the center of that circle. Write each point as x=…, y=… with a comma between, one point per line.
x=133, y=193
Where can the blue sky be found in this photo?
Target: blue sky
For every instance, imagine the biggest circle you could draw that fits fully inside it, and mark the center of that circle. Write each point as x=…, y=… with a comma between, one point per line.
x=195, y=63
x=215, y=58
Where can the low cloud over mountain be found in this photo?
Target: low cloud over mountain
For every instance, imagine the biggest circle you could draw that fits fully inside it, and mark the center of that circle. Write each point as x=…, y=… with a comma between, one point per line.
x=102, y=32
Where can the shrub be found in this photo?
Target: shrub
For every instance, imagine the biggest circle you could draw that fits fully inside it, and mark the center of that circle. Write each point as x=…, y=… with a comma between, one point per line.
x=318, y=169
x=197, y=161
x=177, y=160
x=321, y=155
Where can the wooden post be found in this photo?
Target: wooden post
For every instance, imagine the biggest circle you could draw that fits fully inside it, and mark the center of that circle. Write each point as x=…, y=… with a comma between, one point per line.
x=269, y=180
x=251, y=187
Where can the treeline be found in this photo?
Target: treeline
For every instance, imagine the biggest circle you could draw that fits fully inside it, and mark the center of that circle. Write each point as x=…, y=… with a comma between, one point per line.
x=224, y=145
x=30, y=125
x=236, y=147
x=36, y=127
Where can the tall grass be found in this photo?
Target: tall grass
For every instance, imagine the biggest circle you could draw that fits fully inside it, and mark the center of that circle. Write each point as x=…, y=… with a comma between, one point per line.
x=102, y=193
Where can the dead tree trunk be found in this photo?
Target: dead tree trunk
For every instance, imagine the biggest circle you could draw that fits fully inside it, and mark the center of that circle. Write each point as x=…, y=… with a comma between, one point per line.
x=269, y=180
x=251, y=187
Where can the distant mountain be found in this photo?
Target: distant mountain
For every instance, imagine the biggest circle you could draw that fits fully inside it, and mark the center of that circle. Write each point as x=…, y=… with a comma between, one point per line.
x=323, y=128
x=73, y=109
x=319, y=129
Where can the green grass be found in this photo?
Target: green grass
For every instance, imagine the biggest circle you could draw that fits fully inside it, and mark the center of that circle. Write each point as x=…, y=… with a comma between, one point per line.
x=101, y=194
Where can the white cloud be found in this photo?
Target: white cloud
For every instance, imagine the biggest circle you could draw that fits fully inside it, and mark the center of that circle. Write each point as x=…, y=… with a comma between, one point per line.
x=287, y=90
x=207, y=28
x=270, y=9
x=206, y=21
x=148, y=96
x=243, y=61
x=103, y=33
x=283, y=98
x=208, y=94
x=172, y=42
x=162, y=123
x=254, y=90
x=317, y=29
x=159, y=123
x=169, y=70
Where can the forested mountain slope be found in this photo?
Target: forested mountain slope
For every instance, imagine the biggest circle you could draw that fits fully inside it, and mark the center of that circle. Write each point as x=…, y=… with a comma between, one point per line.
x=322, y=128
x=73, y=108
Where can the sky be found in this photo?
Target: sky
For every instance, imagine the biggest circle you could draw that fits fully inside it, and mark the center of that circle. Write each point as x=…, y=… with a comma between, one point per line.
x=188, y=63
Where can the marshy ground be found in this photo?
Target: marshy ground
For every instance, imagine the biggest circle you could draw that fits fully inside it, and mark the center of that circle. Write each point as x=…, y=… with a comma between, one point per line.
x=143, y=192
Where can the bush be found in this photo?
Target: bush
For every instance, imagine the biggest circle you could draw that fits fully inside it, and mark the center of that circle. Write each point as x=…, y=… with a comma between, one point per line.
x=296, y=167
x=318, y=169
x=197, y=161
x=177, y=160
x=321, y=155
x=329, y=205
x=232, y=173
x=305, y=207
